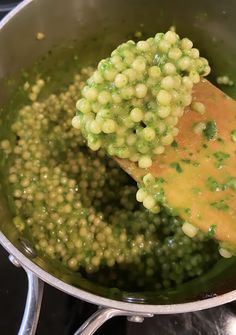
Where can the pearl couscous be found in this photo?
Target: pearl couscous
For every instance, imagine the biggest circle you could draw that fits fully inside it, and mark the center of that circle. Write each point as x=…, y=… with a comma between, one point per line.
x=80, y=207
x=131, y=104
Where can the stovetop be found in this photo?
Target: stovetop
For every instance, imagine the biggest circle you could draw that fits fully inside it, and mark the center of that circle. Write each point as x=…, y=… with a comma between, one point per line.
x=62, y=314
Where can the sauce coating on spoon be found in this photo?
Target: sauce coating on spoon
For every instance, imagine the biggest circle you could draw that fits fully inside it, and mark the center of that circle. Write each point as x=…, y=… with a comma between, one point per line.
x=196, y=177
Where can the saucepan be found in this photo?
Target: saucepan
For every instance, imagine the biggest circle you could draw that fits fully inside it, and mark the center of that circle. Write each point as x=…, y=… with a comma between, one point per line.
x=96, y=27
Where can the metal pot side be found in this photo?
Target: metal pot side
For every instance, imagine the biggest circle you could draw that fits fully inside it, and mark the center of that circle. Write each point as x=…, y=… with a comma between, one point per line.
x=212, y=27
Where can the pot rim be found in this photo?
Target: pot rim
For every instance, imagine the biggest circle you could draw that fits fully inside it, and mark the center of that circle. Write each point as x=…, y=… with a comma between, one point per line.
x=93, y=298
x=99, y=300
x=13, y=12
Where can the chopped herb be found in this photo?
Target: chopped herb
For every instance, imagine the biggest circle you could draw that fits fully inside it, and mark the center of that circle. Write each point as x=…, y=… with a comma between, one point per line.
x=186, y=161
x=220, y=205
x=196, y=190
x=174, y=144
x=220, y=158
x=210, y=131
x=190, y=161
x=187, y=211
x=160, y=196
x=159, y=59
x=160, y=180
x=212, y=230
x=177, y=167
x=213, y=185
x=205, y=146
x=233, y=135
x=171, y=211
x=231, y=183
x=219, y=139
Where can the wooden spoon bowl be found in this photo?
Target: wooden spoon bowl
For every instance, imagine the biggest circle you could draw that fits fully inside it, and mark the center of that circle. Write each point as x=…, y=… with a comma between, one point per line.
x=199, y=171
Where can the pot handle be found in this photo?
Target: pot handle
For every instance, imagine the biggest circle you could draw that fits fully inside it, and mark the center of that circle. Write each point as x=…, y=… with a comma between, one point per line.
x=103, y=314
x=33, y=301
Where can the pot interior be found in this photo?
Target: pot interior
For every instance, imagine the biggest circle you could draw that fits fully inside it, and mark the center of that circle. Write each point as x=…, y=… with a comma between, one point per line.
x=80, y=33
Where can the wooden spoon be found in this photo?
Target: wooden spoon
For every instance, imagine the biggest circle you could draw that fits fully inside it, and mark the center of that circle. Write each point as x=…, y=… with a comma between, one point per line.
x=200, y=173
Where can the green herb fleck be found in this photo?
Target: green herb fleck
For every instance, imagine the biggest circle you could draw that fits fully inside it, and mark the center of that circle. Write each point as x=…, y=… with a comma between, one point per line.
x=231, y=183
x=159, y=59
x=174, y=144
x=205, y=146
x=220, y=205
x=213, y=185
x=210, y=131
x=190, y=161
x=212, y=230
x=196, y=190
x=177, y=167
x=159, y=196
x=187, y=211
x=160, y=180
x=171, y=211
x=220, y=158
x=186, y=161
x=233, y=135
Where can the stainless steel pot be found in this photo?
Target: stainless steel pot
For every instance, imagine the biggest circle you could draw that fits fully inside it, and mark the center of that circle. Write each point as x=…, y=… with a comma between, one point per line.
x=212, y=26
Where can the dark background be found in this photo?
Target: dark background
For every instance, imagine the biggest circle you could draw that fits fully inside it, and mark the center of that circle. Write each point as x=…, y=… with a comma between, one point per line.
x=62, y=314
